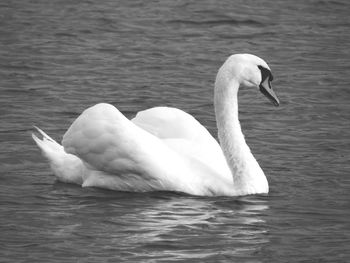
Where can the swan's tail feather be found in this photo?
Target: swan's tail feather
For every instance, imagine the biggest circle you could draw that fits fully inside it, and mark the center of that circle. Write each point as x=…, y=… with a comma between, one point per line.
x=47, y=137
x=49, y=147
x=67, y=167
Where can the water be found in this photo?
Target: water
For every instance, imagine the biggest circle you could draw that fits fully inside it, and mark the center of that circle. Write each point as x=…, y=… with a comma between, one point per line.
x=59, y=57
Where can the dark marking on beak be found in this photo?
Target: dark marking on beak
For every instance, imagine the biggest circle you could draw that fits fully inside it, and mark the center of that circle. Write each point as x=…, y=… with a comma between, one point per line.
x=265, y=86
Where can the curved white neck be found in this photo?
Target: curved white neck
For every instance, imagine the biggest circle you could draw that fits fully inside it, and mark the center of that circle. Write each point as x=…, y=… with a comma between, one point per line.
x=248, y=177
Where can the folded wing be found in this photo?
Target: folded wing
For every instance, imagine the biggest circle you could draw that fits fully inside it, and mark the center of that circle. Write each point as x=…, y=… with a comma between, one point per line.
x=184, y=134
x=118, y=154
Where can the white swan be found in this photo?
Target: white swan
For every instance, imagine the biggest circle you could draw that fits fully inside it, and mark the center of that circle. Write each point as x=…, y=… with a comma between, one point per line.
x=165, y=148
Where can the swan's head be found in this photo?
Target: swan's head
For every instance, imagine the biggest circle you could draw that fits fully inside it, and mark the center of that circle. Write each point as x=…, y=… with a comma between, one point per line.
x=250, y=71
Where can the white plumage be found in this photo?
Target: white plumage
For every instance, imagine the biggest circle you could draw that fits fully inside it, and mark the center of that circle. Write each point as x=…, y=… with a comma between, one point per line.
x=163, y=148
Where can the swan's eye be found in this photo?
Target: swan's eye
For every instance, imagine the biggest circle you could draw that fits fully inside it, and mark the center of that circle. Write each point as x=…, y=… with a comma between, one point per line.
x=265, y=74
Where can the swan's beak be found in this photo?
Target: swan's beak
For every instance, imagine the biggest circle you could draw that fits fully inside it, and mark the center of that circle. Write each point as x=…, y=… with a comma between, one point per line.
x=266, y=89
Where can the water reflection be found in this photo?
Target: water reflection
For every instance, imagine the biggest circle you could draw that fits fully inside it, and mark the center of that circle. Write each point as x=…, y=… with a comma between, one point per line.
x=141, y=226
x=182, y=226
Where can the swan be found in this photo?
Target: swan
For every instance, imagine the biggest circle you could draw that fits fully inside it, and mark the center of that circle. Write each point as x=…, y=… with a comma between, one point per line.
x=163, y=148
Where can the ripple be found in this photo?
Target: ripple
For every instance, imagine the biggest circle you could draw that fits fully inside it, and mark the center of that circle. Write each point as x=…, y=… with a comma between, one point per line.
x=218, y=22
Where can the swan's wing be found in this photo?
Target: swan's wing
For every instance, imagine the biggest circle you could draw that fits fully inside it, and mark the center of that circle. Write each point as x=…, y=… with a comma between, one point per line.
x=209, y=155
x=171, y=123
x=120, y=155
x=184, y=134
x=108, y=142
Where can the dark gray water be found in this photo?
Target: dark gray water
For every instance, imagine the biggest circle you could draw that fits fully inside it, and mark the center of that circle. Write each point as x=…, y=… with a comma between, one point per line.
x=59, y=57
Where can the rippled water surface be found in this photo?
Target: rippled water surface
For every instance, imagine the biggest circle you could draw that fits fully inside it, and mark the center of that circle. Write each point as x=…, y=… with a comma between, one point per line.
x=59, y=57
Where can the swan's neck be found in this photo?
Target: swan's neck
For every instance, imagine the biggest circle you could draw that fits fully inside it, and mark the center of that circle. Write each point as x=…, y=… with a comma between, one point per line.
x=248, y=177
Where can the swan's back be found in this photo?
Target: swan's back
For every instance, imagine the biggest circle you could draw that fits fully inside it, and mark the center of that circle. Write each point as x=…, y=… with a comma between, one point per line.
x=171, y=123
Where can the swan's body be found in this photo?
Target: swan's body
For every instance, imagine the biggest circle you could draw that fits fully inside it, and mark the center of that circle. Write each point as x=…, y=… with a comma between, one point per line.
x=164, y=148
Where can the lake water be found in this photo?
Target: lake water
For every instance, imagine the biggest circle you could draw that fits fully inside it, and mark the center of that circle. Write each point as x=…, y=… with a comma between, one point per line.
x=59, y=57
